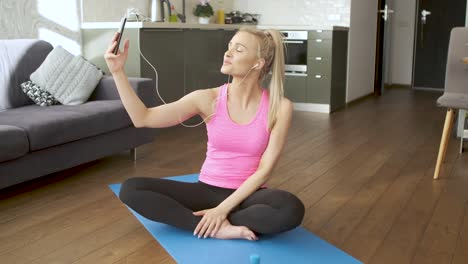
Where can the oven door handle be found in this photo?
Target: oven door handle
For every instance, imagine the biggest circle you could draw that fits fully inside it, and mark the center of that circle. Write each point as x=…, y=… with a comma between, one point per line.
x=295, y=74
x=293, y=41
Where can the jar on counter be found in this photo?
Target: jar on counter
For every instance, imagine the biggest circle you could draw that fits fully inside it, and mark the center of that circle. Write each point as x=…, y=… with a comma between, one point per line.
x=220, y=16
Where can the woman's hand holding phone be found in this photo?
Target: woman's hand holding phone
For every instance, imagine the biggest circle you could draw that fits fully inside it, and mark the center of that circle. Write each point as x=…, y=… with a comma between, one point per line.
x=116, y=62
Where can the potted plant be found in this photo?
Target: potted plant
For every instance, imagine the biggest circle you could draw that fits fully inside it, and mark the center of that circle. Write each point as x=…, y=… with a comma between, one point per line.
x=203, y=11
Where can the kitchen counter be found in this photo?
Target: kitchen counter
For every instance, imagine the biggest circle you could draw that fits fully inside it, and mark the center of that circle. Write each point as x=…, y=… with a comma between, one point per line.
x=104, y=25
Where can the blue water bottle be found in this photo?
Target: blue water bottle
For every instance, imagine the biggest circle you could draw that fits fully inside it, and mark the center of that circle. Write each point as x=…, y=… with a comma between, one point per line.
x=254, y=259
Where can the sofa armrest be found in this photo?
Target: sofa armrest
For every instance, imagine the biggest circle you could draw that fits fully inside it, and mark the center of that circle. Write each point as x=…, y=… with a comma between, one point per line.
x=107, y=90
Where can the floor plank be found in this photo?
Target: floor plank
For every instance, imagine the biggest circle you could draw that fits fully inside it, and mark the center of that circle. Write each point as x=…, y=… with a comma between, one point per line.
x=93, y=238
x=401, y=242
x=62, y=223
x=121, y=247
x=440, y=237
x=151, y=253
x=339, y=227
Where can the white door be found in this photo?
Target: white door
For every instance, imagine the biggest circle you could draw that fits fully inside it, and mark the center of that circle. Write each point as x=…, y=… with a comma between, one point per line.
x=361, y=49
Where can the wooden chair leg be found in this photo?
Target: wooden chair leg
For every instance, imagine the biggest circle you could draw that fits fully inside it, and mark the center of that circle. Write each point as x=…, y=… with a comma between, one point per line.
x=444, y=141
x=449, y=130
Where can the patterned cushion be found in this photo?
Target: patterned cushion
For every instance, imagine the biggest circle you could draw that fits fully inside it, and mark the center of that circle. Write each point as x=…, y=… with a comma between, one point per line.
x=38, y=95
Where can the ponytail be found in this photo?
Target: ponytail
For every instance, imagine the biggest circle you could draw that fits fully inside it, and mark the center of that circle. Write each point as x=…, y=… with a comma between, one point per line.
x=271, y=49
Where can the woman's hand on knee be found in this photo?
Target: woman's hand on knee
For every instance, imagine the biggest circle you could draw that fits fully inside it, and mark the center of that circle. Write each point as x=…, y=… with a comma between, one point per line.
x=210, y=223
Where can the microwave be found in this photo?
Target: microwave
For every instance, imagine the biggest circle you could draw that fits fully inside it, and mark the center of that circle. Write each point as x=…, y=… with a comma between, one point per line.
x=295, y=52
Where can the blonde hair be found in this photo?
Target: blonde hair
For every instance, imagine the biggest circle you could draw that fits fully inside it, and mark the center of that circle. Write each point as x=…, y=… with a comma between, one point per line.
x=271, y=49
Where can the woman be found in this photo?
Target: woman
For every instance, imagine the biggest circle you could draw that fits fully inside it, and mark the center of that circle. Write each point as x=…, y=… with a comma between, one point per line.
x=247, y=127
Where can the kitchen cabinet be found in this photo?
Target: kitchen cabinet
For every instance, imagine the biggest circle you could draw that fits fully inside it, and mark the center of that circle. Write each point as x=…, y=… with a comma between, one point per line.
x=319, y=48
x=326, y=68
x=186, y=59
x=295, y=88
x=203, y=59
x=320, y=34
x=164, y=49
x=318, y=88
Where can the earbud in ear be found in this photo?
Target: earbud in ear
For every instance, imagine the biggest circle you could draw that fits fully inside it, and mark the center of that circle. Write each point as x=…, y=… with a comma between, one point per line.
x=256, y=65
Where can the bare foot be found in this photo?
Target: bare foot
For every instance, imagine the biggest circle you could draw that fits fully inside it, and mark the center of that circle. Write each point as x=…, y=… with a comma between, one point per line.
x=228, y=231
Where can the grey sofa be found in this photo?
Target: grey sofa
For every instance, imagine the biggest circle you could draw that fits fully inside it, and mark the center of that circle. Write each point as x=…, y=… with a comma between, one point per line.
x=36, y=141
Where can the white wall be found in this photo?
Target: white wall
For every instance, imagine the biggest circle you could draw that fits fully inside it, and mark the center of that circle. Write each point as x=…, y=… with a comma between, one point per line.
x=113, y=10
x=361, y=49
x=54, y=21
x=319, y=13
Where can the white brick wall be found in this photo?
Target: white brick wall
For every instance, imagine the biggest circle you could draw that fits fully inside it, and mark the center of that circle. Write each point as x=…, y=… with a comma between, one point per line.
x=317, y=13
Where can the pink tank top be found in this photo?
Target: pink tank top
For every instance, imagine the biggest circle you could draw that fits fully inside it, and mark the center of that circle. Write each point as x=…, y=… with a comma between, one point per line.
x=234, y=150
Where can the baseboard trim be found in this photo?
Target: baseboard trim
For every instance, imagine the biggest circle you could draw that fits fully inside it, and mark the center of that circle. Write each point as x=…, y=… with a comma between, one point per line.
x=398, y=86
x=309, y=107
x=428, y=89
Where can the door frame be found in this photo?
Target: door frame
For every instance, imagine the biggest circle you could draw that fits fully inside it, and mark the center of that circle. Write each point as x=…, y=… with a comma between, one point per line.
x=415, y=43
x=379, y=51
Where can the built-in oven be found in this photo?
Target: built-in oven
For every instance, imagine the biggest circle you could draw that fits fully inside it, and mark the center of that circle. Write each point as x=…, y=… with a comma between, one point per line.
x=296, y=52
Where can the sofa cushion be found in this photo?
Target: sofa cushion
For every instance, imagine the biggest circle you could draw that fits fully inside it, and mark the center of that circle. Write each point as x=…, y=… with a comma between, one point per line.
x=70, y=79
x=59, y=124
x=13, y=144
x=18, y=59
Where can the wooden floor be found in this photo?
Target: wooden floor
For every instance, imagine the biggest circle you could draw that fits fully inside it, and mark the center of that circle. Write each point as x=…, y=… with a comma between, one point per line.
x=364, y=174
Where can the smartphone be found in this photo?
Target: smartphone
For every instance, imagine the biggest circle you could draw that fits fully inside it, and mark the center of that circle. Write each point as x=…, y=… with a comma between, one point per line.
x=120, y=33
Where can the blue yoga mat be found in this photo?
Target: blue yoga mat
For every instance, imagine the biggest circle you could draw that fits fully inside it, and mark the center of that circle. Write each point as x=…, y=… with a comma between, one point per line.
x=293, y=247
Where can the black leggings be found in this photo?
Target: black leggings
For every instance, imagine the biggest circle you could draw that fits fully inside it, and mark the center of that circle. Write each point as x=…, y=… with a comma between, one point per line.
x=266, y=211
